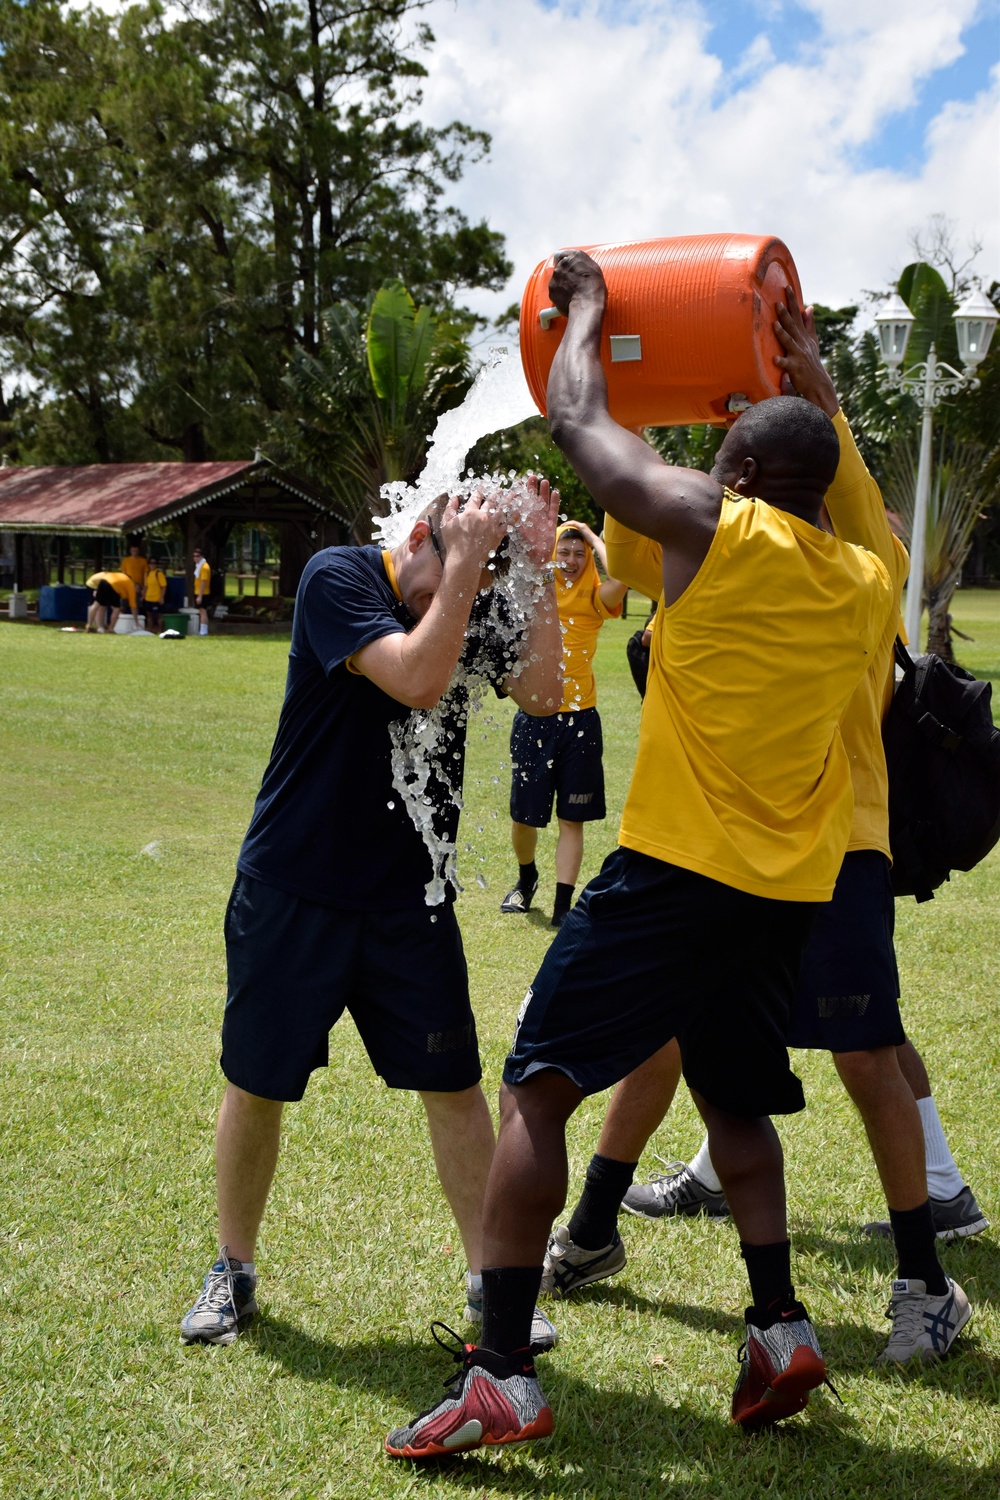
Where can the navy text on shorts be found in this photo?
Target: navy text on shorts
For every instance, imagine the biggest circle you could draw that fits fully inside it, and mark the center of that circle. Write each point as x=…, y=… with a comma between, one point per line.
x=557, y=758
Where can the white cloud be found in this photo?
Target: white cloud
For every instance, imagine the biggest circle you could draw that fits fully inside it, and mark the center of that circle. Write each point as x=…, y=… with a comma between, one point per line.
x=610, y=127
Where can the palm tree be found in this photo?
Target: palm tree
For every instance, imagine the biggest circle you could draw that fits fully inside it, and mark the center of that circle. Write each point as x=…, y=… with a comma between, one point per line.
x=960, y=489
x=362, y=409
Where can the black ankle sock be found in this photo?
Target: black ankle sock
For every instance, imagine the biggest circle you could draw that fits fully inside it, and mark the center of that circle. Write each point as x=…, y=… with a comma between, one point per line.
x=527, y=877
x=913, y=1231
x=509, y=1296
x=564, y=899
x=595, y=1217
x=769, y=1268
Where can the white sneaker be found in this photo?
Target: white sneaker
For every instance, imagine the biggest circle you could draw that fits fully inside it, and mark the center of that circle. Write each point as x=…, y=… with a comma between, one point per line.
x=923, y=1326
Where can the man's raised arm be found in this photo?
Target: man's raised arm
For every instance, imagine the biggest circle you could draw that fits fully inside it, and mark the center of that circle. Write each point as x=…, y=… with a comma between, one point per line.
x=622, y=472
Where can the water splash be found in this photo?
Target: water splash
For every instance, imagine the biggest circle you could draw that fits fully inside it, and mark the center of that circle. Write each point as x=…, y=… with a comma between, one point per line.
x=427, y=758
x=499, y=398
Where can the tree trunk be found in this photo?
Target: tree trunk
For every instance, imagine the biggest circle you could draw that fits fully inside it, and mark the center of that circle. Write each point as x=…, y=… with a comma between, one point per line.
x=939, y=629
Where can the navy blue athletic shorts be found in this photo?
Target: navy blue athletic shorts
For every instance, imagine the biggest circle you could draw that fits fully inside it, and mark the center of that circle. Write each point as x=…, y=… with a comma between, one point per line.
x=651, y=951
x=847, y=998
x=557, y=757
x=105, y=594
x=295, y=967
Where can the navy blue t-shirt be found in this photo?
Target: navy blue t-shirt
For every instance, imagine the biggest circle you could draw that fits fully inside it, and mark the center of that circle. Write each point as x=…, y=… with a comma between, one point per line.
x=328, y=824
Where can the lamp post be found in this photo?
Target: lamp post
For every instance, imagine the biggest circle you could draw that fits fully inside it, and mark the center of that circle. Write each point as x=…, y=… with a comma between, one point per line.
x=931, y=379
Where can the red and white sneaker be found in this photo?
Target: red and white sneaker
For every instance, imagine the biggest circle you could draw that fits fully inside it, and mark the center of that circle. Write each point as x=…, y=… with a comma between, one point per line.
x=493, y=1399
x=780, y=1364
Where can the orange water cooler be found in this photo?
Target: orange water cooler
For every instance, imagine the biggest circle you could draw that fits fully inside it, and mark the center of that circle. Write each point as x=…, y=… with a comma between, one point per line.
x=688, y=334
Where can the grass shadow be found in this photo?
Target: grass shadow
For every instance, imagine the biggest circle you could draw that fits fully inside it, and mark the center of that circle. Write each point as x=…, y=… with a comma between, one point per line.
x=653, y=1442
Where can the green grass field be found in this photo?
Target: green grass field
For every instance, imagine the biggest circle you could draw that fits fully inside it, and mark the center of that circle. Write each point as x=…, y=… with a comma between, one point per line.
x=129, y=768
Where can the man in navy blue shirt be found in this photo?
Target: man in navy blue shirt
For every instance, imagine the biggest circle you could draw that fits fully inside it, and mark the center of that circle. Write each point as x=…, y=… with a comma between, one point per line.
x=329, y=911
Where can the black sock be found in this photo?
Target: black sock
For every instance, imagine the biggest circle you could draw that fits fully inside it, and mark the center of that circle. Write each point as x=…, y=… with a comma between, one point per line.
x=509, y=1296
x=913, y=1231
x=769, y=1268
x=527, y=877
x=595, y=1217
x=564, y=899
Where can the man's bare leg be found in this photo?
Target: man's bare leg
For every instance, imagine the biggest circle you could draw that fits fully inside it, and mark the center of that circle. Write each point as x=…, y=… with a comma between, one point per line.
x=886, y=1104
x=569, y=852
x=637, y=1108
x=527, y=1184
x=885, y=1101
x=639, y=1105
x=748, y=1157
x=524, y=839
x=461, y=1131
x=247, y=1138
x=911, y=1066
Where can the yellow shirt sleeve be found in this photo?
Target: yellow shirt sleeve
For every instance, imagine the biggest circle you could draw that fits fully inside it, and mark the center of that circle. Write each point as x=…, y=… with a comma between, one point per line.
x=854, y=502
x=634, y=559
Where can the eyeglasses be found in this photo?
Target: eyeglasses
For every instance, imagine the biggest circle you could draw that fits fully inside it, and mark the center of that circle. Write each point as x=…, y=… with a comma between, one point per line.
x=435, y=543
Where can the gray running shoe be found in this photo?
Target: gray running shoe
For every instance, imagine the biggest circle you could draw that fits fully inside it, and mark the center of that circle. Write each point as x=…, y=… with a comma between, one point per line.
x=954, y=1218
x=676, y=1191
x=924, y=1327
x=225, y=1306
x=518, y=900
x=568, y=1266
x=543, y=1332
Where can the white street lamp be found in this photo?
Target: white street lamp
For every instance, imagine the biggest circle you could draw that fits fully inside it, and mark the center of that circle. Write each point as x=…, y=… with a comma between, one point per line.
x=931, y=379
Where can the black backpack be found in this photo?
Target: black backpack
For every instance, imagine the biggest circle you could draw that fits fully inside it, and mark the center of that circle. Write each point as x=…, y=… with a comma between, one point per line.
x=943, y=754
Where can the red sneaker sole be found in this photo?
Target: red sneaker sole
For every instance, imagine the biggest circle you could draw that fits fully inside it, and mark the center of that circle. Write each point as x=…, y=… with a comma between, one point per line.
x=541, y=1427
x=789, y=1393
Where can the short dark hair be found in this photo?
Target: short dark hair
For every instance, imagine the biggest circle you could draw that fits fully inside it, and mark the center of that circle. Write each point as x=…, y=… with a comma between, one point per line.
x=789, y=434
x=571, y=534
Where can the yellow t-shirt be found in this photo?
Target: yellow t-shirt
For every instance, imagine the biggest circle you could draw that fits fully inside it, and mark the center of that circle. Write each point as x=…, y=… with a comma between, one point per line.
x=202, y=579
x=135, y=568
x=581, y=617
x=156, y=585
x=582, y=612
x=858, y=515
x=120, y=582
x=741, y=774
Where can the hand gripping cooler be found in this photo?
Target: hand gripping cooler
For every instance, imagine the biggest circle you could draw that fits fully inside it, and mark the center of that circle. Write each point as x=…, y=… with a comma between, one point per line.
x=688, y=334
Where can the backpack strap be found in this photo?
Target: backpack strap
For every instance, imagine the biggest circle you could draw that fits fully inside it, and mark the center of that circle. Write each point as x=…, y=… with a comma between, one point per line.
x=929, y=725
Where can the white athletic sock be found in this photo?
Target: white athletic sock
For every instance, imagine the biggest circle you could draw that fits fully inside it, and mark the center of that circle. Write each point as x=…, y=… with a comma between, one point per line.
x=702, y=1168
x=944, y=1179
x=474, y=1281
x=203, y=630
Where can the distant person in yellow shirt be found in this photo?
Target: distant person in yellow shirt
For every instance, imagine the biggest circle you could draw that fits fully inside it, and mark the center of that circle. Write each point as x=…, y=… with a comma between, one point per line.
x=155, y=595
x=560, y=758
x=109, y=591
x=202, y=588
x=135, y=567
